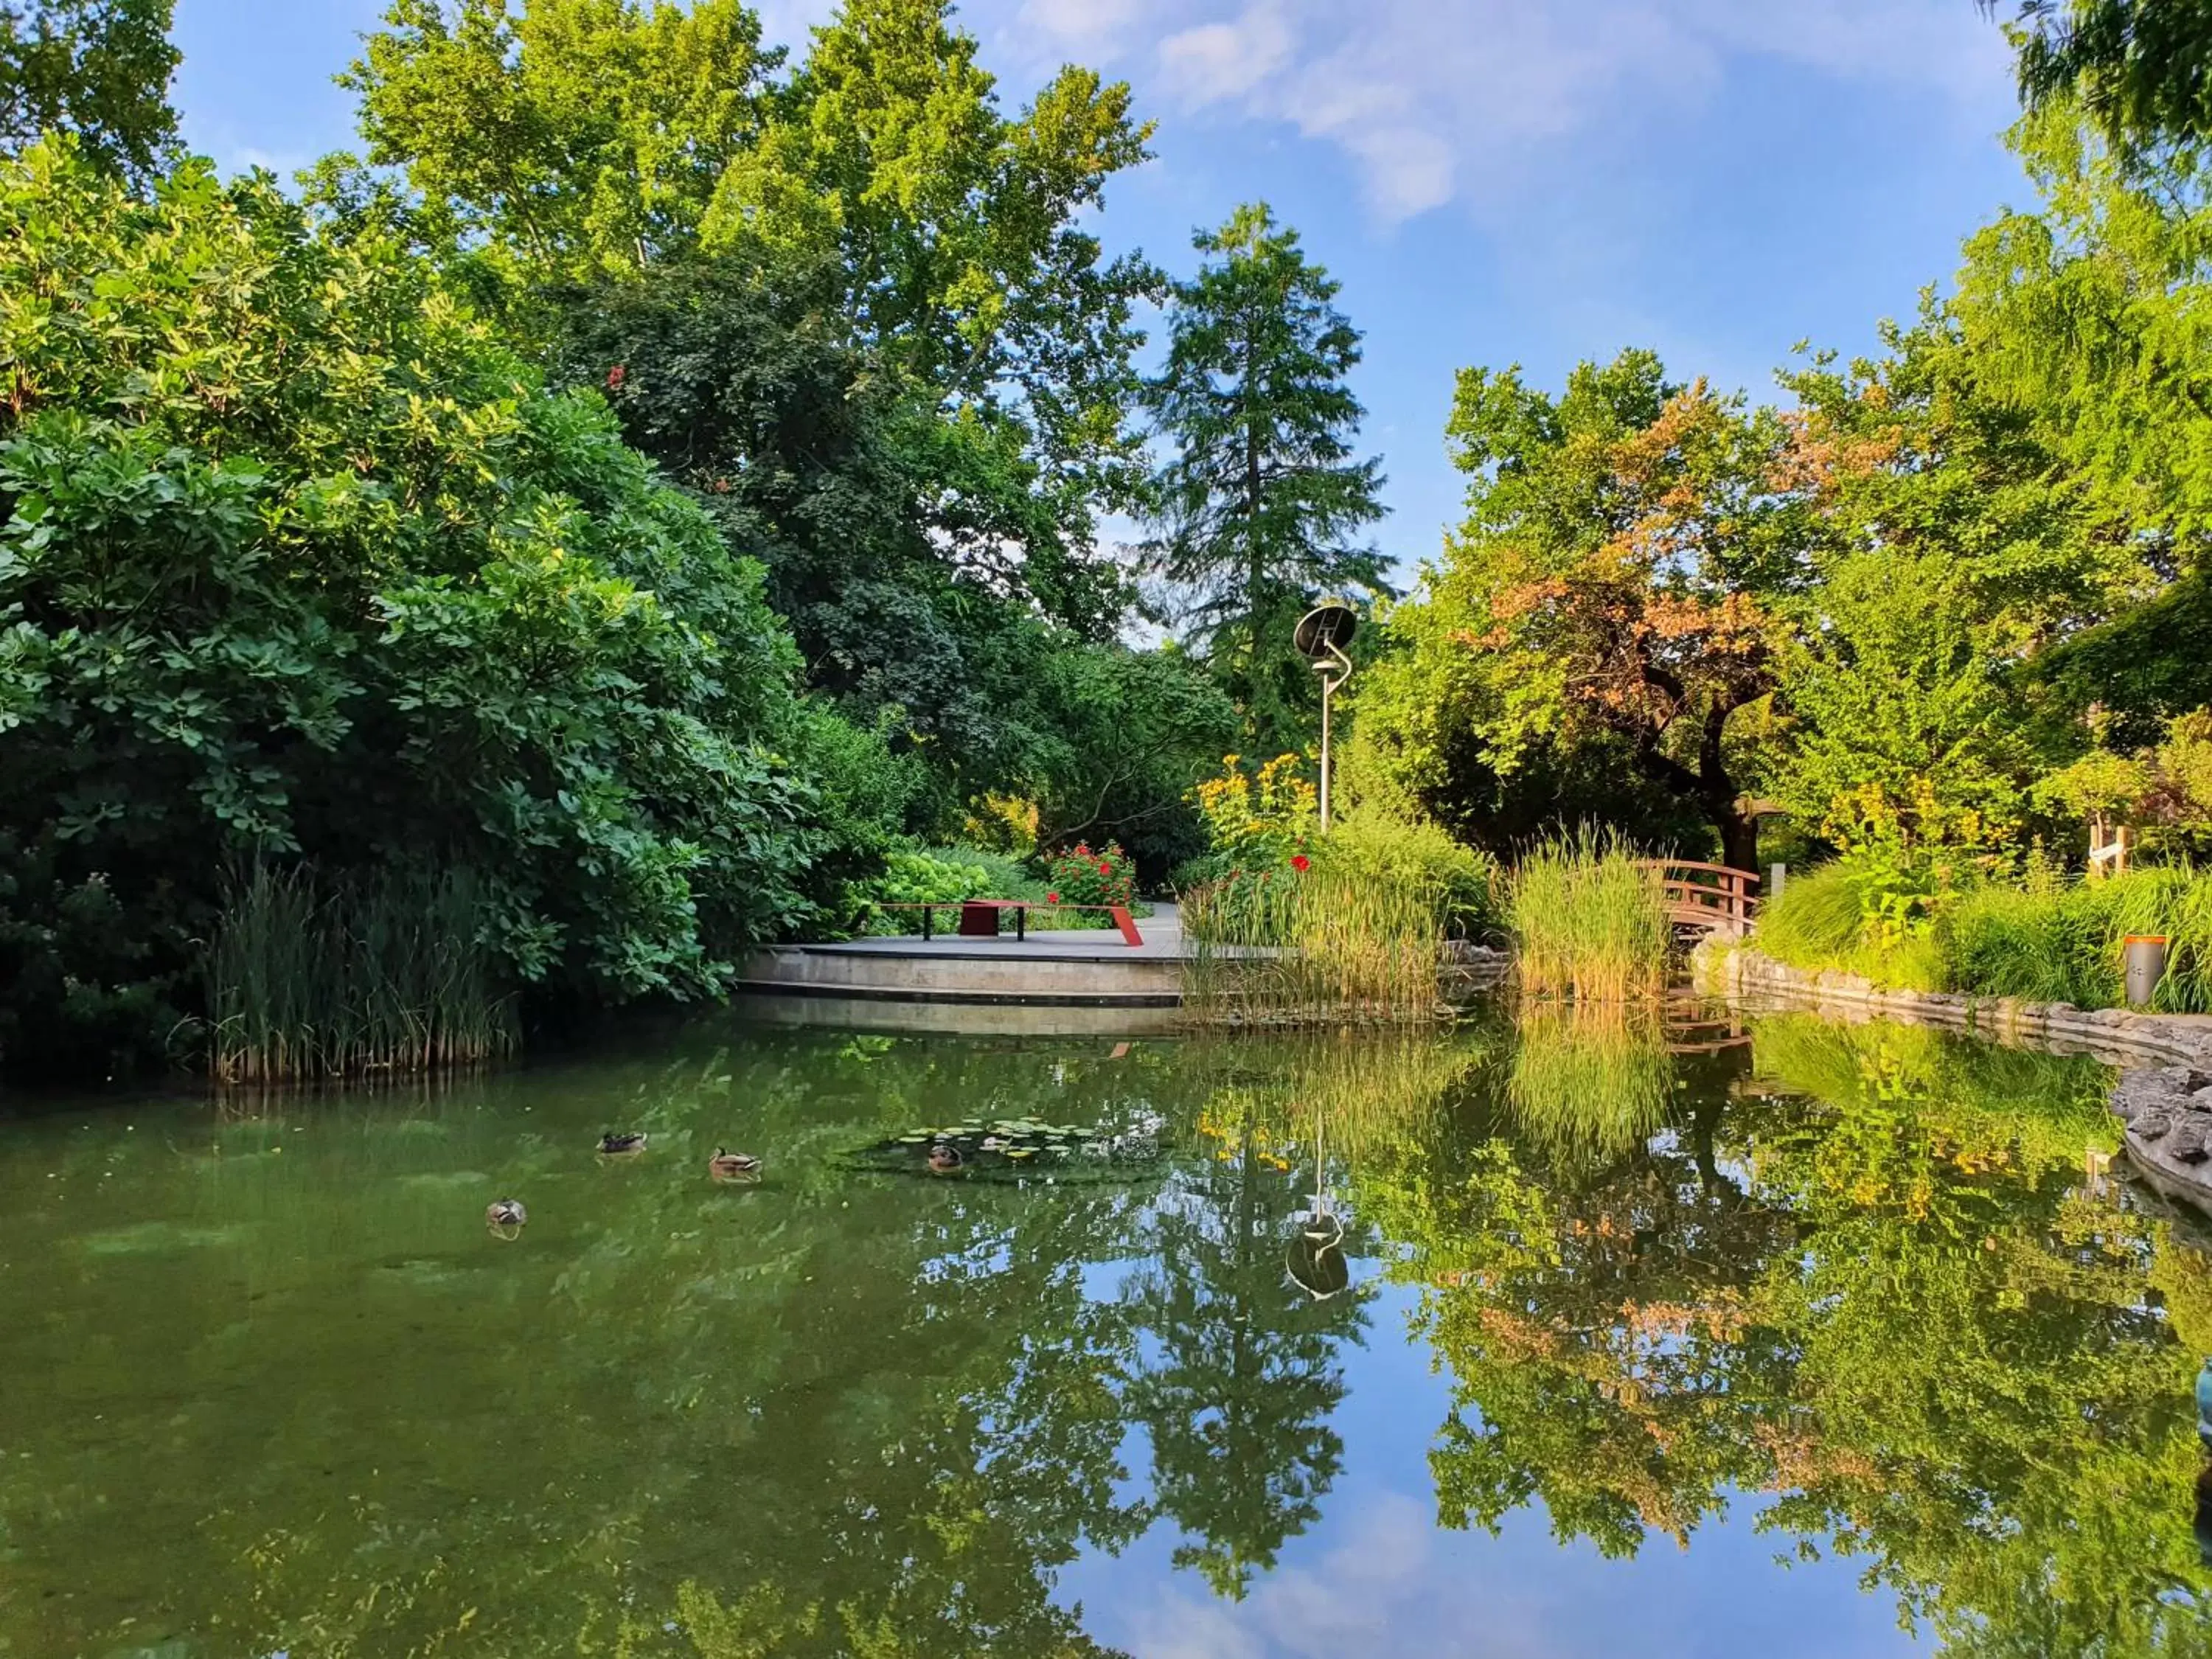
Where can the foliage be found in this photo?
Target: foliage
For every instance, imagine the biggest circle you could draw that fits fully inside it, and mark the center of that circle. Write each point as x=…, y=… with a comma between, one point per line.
x=98, y=70
x=1370, y=845
x=2163, y=792
x=1615, y=578
x=1078, y=875
x=296, y=561
x=1258, y=500
x=2139, y=68
x=1589, y=919
x=1311, y=943
x=2043, y=940
x=1860, y=917
x=1258, y=819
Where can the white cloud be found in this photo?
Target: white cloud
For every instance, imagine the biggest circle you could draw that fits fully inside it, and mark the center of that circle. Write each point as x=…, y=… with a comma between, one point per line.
x=1442, y=99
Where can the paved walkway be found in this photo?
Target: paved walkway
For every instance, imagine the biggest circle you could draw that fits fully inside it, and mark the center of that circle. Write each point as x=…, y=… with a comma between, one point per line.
x=1162, y=933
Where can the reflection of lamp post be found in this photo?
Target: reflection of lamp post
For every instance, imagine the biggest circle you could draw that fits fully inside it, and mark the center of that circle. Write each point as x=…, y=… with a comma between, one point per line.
x=1322, y=633
x=1316, y=1258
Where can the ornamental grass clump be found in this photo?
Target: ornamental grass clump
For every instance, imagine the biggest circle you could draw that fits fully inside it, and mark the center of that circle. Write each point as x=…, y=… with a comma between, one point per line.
x=1312, y=943
x=1589, y=919
x=385, y=975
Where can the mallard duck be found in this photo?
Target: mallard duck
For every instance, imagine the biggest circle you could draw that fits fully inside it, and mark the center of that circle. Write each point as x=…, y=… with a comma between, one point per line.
x=507, y=1212
x=733, y=1166
x=614, y=1143
x=943, y=1159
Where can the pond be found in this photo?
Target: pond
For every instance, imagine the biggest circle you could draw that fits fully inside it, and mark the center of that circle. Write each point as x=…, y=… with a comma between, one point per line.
x=1677, y=1339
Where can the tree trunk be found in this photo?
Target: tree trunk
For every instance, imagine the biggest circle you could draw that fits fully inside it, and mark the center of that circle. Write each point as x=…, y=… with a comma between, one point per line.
x=1738, y=838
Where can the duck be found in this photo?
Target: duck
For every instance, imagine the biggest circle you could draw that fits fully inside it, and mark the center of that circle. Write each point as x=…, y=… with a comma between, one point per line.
x=944, y=1160
x=615, y=1142
x=505, y=1213
x=733, y=1166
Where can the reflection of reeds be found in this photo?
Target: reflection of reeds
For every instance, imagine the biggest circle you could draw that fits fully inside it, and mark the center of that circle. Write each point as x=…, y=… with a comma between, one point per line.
x=1590, y=1081
x=1363, y=1092
x=1325, y=946
x=1589, y=919
x=382, y=975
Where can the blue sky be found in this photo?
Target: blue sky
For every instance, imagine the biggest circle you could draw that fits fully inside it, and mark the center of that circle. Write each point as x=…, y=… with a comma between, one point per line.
x=1494, y=181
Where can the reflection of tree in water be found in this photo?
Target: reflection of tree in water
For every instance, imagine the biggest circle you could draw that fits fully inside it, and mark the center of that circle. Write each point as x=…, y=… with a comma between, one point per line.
x=1239, y=1372
x=853, y=1416
x=1889, y=1305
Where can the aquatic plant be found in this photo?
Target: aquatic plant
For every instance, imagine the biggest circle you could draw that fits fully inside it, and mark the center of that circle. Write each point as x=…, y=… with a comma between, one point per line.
x=1312, y=943
x=381, y=976
x=1588, y=919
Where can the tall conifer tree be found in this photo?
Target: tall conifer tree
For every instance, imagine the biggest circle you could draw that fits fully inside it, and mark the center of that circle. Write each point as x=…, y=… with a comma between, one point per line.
x=1259, y=508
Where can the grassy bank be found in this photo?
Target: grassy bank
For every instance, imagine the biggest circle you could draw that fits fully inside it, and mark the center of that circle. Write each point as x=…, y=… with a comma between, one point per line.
x=1312, y=946
x=2048, y=941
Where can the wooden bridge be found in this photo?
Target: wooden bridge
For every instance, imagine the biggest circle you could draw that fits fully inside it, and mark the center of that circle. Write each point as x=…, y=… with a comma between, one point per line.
x=1710, y=898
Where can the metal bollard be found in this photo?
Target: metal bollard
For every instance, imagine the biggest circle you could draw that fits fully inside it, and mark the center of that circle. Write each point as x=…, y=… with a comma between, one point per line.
x=2144, y=955
x=1775, y=875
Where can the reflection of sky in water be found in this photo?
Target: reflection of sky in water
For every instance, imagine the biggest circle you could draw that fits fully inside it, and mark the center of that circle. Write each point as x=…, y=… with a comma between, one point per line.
x=1378, y=1577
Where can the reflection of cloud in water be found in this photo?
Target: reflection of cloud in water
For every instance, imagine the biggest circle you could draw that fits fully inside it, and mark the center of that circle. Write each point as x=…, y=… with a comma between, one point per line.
x=1391, y=1586
x=1353, y=1601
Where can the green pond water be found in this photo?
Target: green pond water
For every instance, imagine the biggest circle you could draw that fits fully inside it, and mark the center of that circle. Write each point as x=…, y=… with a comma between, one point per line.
x=1828, y=1341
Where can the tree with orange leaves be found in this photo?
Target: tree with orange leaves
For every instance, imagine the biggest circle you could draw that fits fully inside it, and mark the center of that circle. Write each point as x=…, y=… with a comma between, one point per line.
x=1616, y=577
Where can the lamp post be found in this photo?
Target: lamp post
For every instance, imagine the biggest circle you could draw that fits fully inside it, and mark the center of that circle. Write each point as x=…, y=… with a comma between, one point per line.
x=1322, y=633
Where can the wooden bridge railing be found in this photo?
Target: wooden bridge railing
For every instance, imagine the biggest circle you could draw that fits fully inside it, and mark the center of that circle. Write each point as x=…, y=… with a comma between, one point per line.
x=1711, y=896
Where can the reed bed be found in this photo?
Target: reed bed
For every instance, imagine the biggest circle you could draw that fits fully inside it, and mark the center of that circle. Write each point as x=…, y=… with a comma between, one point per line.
x=1321, y=947
x=1589, y=919
x=379, y=976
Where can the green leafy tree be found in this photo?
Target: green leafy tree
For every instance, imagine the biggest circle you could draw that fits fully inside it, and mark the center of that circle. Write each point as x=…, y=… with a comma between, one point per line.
x=1614, y=584
x=98, y=69
x=2142, y=68
x=296, y=562
x=563, y=138
x=1259, y=502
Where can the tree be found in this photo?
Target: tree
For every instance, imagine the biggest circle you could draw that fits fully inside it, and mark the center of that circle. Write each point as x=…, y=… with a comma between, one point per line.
x=570, y=138
x=99, y=69
x=298, y=562
x=1257, y=504
x=2142, y=68
x=1614, y=581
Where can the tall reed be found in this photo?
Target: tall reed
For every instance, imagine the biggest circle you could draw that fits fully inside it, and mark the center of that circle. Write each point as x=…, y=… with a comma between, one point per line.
x=1589, y=919
x=1322, y=946
x=383, y=975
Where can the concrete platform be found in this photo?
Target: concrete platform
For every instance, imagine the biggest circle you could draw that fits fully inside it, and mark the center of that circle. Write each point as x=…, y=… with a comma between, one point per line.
x=1058, y=967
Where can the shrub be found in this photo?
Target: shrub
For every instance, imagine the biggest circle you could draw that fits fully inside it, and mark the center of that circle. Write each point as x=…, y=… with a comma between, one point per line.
x=1847, y=917
x=1078, y=875
x=299, y=564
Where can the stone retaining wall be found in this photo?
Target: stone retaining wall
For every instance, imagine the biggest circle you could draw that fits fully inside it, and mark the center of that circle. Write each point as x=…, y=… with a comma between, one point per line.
x=2164, y=1094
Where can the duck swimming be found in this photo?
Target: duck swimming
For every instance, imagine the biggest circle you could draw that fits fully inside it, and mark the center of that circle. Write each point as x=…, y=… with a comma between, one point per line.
x=733, y=1166
x=507, y=1213
x=943, y=1159
x=614, y=1142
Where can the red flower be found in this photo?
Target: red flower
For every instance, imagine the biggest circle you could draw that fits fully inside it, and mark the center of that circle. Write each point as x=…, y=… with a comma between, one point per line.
x=1052, y=899
x=1301, y=863
x=615, y=376
x=1105, y=868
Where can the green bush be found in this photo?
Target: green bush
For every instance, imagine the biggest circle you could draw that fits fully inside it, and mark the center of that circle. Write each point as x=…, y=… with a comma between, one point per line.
x=1588, y=919
x=1832, y=918
x=299, y=565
